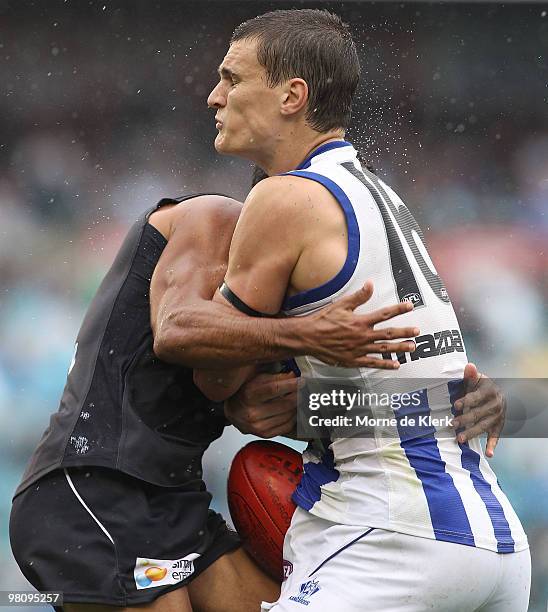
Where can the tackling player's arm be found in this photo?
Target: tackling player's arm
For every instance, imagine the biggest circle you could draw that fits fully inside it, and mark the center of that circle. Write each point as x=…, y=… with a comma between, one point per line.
x=190, y=329
x=265, y=248
x=283, y=219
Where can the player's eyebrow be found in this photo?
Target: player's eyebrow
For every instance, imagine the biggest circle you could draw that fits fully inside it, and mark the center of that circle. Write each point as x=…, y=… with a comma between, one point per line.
x=225, y=72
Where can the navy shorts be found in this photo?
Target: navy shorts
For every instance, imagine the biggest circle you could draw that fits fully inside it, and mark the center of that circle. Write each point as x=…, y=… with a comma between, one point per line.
x=102, y=536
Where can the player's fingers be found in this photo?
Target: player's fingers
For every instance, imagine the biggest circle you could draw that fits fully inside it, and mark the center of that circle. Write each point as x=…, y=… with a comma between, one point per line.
x=471, y=374
x=286, y=405
x=492, y=441
x=469, y=401
x=260, y=379
x=277, y=408
x=405, y=346
x=476, y=430
x=384, y=314
x=471, y=416
x=493, y=434
x=479, y=390
x=357, y=298
x=289, y=400
x=280, y=429
x=275, y=389
x=267, y=387
x=391, y=333
x=373, y=362
x=276, y=420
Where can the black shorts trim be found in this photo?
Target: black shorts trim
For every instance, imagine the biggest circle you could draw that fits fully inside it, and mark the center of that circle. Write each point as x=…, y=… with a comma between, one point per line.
x=85, y=540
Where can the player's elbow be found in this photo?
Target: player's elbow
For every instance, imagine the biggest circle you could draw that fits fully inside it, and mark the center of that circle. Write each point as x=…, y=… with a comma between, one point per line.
x=212, y=384
x=173, y=344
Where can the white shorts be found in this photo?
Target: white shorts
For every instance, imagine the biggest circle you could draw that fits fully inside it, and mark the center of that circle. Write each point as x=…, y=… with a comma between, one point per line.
x=342, y=568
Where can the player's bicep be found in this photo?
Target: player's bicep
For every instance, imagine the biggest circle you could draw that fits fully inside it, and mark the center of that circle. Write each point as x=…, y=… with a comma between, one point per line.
x=262, y=256
x=191, y=266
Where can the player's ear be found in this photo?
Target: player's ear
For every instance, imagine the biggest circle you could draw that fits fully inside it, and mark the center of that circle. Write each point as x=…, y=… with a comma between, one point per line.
x=294, y=96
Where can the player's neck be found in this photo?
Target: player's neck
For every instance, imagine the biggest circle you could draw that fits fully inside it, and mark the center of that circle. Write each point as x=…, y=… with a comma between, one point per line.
x=292, y=150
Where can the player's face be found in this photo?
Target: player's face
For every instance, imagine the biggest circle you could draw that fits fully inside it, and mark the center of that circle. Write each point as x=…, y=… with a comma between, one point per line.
x=247, y=108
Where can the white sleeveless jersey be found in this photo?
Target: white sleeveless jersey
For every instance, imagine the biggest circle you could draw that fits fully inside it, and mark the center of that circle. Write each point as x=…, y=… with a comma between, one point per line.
x=425, y=485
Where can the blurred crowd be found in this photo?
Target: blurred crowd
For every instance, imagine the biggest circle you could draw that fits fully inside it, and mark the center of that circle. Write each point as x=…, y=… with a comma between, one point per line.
x=103, y=112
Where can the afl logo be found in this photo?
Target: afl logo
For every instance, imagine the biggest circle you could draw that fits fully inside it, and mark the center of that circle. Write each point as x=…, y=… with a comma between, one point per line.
x=414, y=298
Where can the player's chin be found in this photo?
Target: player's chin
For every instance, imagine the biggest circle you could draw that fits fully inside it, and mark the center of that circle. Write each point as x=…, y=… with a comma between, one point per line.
x=221, y=144
x=226, y=145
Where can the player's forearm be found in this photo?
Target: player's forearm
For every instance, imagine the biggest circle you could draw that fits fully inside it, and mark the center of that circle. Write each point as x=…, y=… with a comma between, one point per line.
x=208, y=335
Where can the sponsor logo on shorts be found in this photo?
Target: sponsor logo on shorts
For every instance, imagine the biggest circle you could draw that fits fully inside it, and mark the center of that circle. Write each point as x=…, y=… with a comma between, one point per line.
x=150, y=573
x=288, y=569
x=306, y=590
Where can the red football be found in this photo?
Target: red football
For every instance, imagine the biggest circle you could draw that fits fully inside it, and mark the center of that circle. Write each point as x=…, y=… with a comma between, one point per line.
x=262, y=477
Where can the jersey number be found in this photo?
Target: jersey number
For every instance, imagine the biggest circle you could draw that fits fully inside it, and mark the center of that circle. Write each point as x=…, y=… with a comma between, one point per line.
x=406, y=284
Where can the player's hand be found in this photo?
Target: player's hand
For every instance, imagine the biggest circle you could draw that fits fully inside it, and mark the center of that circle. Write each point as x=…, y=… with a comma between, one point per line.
x=343, y=338
x=483, y=409
x=265, y=406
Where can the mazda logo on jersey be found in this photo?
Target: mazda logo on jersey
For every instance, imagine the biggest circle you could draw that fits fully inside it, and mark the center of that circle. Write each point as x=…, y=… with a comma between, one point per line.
x=432, y=345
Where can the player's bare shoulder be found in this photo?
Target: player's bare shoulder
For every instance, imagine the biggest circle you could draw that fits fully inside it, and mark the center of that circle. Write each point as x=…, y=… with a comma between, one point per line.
x=286, y=193
x=297, y=204
x=199, y=216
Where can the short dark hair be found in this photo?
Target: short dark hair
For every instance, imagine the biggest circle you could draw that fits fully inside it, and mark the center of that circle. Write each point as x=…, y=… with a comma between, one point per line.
x=314, y=45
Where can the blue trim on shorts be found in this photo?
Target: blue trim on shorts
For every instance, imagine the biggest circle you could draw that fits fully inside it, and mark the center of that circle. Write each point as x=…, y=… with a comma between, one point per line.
x=341, y=549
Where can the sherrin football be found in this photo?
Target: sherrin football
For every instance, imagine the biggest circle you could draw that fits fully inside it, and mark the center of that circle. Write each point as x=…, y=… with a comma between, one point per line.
x=262, y=477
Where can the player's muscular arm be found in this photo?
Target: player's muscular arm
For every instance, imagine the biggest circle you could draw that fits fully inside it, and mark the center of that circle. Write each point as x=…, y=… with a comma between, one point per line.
x=266, y=246
x=188, y=327
x=191, y=330
x=283, y=221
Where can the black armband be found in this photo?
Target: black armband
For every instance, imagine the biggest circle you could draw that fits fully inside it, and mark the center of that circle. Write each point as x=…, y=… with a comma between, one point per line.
x=231, y=297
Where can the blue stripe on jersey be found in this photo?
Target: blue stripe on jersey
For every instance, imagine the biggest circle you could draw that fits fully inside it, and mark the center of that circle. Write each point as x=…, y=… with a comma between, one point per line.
x=345, y=273
x=470, y=461
x=447, y=513
x=328, y=146
x=308, y=492
x=290, y=365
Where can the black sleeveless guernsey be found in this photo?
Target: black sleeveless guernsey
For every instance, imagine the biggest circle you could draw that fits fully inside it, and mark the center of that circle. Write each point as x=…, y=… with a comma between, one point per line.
x=122, y=407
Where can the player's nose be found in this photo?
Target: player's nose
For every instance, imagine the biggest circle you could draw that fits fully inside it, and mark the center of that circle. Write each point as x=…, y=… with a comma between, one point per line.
x=216, y=98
